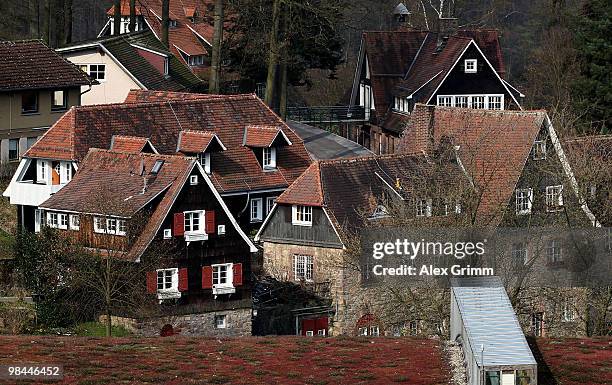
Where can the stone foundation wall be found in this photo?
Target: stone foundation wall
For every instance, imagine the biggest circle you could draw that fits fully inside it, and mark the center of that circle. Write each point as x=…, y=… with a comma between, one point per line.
x=238, y=324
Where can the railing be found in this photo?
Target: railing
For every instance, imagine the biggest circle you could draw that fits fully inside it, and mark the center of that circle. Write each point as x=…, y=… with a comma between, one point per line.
x=326, y=114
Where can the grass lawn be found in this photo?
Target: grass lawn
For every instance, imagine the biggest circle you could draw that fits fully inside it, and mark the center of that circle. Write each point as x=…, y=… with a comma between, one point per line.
x=575, y=361
x=7, y=242
x=247, y=361
x=97, y=329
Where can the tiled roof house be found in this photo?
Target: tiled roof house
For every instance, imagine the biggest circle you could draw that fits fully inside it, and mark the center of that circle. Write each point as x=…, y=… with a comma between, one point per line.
x=241, y=171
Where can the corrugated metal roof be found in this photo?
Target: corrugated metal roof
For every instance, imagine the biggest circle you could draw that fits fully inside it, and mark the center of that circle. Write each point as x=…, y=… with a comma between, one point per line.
x=489, y=320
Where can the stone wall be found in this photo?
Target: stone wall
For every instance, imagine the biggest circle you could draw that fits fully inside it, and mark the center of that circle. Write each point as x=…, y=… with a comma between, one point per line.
x=238, y=324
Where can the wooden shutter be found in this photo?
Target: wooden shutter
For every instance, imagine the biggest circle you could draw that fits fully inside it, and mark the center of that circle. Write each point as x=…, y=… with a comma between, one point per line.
x=237, y=270
x=179, y=224
x=207, y=277
x=210, y=221
x=182, y=280
x=152, y=282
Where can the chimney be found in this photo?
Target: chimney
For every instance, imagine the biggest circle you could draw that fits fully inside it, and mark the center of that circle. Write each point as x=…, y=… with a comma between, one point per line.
x=401, y=15
x=447, y=27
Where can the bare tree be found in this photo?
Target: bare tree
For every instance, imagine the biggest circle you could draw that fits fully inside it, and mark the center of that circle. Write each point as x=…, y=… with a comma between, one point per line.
x=132, y=15
x=117, y=17
x=274, y=54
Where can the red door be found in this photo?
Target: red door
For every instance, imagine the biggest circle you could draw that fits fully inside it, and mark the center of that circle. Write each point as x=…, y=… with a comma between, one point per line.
x=315, y=327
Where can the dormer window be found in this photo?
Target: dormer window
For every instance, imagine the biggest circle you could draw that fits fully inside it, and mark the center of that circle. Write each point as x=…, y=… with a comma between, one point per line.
x=204, y=159
x=269, y=158
x=471, y=66
x=157, y=166
x=172, y=23
x=195, y=60
x=301, y=215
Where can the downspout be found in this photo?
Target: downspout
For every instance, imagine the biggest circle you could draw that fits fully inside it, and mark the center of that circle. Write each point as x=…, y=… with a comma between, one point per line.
x=84, y=92
x=246, y=205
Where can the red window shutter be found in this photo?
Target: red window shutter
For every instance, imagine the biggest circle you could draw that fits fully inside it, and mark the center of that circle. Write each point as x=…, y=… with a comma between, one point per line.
x=183, y=284
x=207, y=275
x=237, y=268
x=210, y=221
x=179, y=224
x=152, y=282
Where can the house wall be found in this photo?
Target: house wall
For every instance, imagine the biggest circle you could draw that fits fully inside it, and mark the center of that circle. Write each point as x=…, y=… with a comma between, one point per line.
x=112, y=90
x=197, y=324
x=15, y=125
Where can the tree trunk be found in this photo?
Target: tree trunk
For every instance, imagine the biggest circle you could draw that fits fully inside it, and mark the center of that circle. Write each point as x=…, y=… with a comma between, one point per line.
x=34, y=15
x=132, y=15
x=215, y=70
x=283, y=67
x=67, y=22
x=44, y=18
x=117, y=17
x=165, y=22
x=273, y=58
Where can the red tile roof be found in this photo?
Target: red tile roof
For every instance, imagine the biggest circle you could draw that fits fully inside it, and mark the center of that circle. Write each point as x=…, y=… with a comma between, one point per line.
x=94, y=188
x=32, y=65
x=306, y=190
x=350, y=188
x=494, y=146
x=236, y=169
x=130, y=144
x=195, y=142
x=182, y=37
x=263, y=136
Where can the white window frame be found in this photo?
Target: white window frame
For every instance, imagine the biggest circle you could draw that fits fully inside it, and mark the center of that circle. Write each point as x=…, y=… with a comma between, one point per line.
x=64, y=100
x=65, y=172
x=220, y=229
x=301, y=215
x=521, y=207
x=42, y=171
x=75, y=222
x=116, y=226
x=374, y=331
x=445, y=101
x=172, y=279
x=303, y=267
x=539, y=150
x=167, y=233
x=470, y=66
x=270, y=203
x=423, y=207
x=193, y=180
x=554, y=198
x=569, y=313
x=100, y=69
x=476, y=101
x=188, y=226
x=99, y=225
x=229, y=275
x=223, y=318
x=256, y=210
x=52, y=219
x=554, y=251
x=269, y=158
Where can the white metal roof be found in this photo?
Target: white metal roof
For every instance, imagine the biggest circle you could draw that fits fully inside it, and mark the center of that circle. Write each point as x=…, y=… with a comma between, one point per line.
x=489, y=320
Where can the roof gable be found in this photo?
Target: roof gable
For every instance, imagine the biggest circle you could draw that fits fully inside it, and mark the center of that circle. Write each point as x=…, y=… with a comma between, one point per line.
x=131, y=144
x=264, y=136
x=196, y=142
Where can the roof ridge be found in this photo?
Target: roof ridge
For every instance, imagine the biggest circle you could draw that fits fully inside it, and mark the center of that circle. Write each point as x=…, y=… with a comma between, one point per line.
x=370, y=158
x=176, y=101
x=140, y=154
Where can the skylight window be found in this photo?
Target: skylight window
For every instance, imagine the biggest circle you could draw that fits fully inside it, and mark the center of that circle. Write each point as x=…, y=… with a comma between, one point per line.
x=157, y=166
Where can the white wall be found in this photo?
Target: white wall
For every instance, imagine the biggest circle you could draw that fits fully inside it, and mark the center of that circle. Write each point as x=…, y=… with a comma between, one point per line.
x=117, y=84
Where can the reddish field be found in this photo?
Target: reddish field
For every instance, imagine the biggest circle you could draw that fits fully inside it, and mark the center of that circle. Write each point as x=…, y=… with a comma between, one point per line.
x=575, y=361
x=274, y=360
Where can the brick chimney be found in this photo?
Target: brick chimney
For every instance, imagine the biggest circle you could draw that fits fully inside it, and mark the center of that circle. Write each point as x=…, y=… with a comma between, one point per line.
x=447, y=27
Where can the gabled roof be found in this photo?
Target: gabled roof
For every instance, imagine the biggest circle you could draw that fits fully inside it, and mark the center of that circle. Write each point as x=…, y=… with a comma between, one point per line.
x=187, y=37
x=264, y=136
x=493, y=145
x=118, y=183
x=31, y=64
x=196, y=142
x=234, y=170
x=125, y=49
x=130, y=144
x=347, y=188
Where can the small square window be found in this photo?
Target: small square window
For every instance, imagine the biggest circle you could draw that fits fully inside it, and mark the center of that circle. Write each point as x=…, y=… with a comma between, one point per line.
x=221, y=321
x=221, y=229
x=59, y=100
x=471, y=66
x=167, y=233
x=539, y=150
x=75, y=222
x=301, y=215
x=193, y=180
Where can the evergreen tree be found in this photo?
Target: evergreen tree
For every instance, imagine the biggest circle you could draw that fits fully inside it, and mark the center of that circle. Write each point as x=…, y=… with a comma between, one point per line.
x=593, y=44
